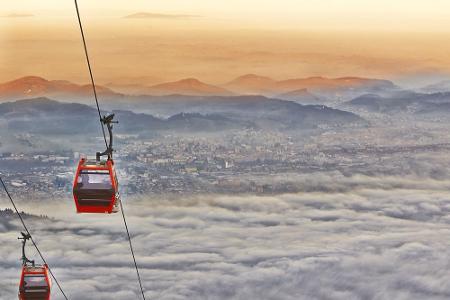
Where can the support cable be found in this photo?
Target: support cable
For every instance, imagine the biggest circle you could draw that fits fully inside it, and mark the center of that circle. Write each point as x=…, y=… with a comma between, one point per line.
x=90, y=73
x=106, y=143
x=132, y=251
x=31, y=237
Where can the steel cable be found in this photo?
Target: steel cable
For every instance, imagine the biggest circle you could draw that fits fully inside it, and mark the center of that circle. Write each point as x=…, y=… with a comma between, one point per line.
x=106, y=143
x=31, y=237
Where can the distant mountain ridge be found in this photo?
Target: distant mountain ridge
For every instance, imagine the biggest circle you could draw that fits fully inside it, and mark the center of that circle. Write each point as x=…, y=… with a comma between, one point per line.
x=302, y=96
x=34, y=86
x=254, y=84
x=439, y=87
x=43, y=115
x=250, y=84
x=402, y=102
x=46, y=116
x=189, y=86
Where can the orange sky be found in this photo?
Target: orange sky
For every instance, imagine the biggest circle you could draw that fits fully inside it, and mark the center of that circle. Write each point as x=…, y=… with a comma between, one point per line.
x=218, y=40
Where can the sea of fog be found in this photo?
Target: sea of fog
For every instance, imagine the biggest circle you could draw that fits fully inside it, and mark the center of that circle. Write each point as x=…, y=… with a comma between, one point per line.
x=378, y=238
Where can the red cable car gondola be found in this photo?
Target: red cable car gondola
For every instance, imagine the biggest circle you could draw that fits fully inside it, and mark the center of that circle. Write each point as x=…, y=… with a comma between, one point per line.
x=35, y=282
x=95, y=187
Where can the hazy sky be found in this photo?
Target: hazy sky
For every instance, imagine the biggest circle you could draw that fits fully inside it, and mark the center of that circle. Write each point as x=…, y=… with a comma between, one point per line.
x=218, y=40
x=363, y=14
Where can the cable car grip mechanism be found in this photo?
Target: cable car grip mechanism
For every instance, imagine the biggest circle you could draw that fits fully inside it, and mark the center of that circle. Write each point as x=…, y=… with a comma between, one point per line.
x=108, y=121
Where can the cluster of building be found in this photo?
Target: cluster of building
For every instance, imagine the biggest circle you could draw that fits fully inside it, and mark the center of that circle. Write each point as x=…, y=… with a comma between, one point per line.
x=229, y=163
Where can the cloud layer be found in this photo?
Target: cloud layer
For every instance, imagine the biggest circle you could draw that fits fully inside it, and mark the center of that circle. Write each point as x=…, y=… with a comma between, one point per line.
x=366, y=243
x=146, y=15
x=18, y=15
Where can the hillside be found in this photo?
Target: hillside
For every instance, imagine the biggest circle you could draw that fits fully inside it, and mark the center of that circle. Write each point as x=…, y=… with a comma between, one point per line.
x=189, y=86
x=403, y=102
x=34, y=86
x=302, y=96
x=322, y=86
x=47, y=116
x=252, y=84
x=328, y=90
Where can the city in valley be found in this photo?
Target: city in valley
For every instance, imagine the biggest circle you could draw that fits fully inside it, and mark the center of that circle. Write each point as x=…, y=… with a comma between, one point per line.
x=228, y=144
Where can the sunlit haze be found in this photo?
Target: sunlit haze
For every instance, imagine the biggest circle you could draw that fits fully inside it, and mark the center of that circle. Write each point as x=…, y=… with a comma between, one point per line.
x=218, y=41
